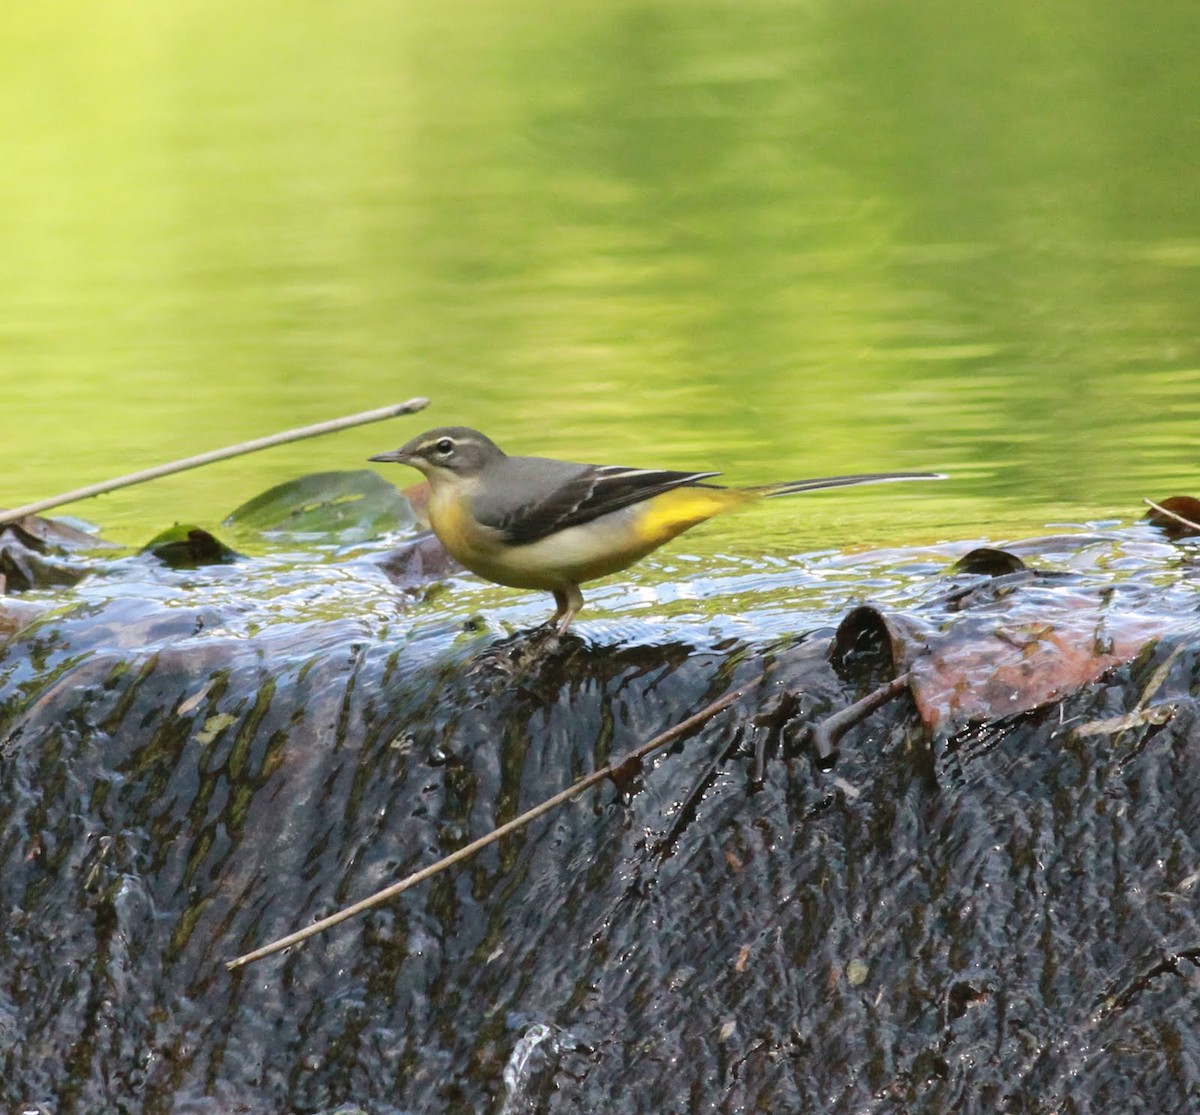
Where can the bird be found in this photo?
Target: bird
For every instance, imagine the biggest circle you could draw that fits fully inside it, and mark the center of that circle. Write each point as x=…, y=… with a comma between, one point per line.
x=538, y=523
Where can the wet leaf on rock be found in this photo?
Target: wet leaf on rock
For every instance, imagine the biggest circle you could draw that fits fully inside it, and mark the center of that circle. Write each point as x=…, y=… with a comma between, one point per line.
x=872, y=646
x=350, y=506
x=994, y=662
x=417, y=562
x=987, y=561
x=988, y=667
x=52, y=534
x=30, y=550
x=1185, y=507
x=189, y=547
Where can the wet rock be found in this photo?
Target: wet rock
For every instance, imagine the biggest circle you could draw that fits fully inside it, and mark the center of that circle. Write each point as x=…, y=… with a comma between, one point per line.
x=997, y=915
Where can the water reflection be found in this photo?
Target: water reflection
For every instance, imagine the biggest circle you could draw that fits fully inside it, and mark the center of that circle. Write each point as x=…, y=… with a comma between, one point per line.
x=783, y=240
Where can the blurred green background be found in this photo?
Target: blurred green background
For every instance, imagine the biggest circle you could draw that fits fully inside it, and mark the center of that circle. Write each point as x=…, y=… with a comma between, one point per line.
x=776, y=238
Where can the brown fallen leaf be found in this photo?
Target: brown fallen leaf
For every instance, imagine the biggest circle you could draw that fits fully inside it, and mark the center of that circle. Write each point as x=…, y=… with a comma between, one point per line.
x=1176, y=516
x=987, y=667
x=1010, y=656
x=418, y=561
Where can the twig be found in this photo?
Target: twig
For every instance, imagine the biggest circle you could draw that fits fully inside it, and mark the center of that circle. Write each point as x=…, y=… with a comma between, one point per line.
x=1141, y=713
x=613, y=770
x=828, y=733
x=1171, y=514
x=299, y=434
x=1169, y=964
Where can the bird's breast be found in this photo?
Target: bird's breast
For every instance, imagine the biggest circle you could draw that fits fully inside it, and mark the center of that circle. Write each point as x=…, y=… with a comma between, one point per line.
x=456, y=528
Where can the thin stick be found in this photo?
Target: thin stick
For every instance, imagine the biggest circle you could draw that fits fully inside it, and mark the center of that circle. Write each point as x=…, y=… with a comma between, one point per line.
x=829, y=732
x=299, y=434
x=468, y=850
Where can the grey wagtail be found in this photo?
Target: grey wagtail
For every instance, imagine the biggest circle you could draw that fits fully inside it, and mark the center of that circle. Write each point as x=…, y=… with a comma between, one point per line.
x=531, y=522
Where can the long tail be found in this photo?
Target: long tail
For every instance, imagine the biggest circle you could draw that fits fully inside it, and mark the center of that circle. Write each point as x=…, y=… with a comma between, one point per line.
x=791, y=487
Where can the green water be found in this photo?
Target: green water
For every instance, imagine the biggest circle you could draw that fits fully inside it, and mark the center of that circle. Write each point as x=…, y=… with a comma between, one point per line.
x=780, y=239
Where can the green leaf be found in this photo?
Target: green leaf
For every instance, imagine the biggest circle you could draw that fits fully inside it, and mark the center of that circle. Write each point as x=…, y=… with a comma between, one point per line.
x=349, y=506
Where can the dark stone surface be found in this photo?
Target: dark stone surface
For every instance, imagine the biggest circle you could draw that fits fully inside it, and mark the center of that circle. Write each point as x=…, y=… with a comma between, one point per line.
x=1005, y=919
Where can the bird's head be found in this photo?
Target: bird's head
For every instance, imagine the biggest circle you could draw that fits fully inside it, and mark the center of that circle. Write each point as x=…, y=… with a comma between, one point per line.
x=445, y=453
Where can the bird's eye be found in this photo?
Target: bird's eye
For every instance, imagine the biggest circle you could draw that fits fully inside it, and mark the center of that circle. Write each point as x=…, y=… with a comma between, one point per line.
x=445, y=447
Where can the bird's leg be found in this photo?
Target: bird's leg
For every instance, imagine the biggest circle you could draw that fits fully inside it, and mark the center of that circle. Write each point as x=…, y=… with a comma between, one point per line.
x=563, y=608
x=569, y=601
x=560, y=598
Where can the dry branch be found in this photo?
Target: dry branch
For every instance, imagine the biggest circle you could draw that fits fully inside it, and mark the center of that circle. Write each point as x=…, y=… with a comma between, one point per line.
x=299, y=434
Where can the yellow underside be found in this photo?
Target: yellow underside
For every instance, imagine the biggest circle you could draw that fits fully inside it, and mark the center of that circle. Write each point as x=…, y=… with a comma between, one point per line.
x=579, y=553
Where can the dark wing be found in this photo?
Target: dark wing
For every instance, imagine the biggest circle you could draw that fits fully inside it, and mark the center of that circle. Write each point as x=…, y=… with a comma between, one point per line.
x=531, y=498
